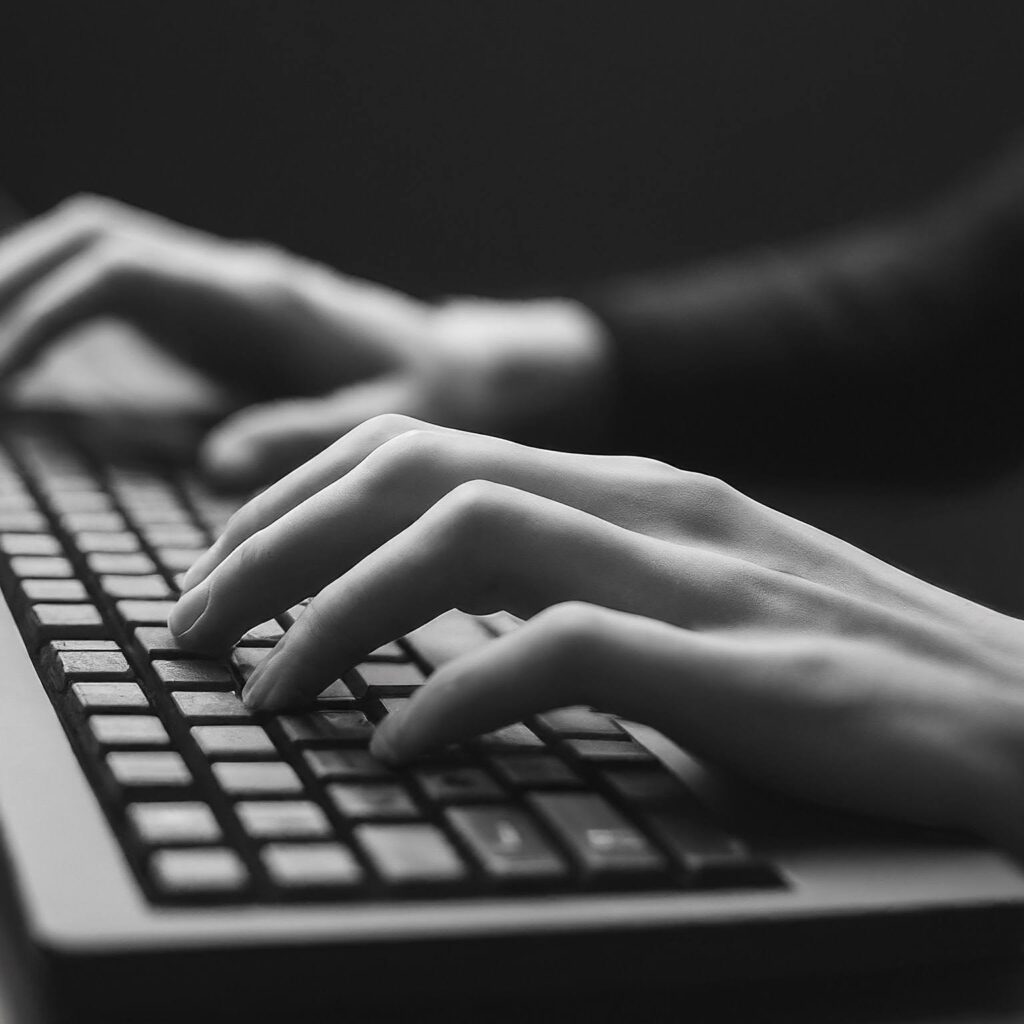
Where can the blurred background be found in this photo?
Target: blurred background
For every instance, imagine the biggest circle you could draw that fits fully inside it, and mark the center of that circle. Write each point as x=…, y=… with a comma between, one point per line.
x=511, y=147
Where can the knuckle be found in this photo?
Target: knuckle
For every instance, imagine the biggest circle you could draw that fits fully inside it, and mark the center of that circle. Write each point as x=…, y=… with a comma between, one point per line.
x=93, y=210
x=382, y=428
x=404, y=462
x=707, y=505
x=250, y=557
x=475, y=506
x=568, y=635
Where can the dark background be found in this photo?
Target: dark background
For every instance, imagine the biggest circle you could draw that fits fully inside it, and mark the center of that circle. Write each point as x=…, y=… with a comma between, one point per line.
x=501, y=146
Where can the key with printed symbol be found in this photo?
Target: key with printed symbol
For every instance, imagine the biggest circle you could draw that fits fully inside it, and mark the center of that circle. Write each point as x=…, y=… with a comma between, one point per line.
x=508, y=845
x=372, y=800
x=458, y=785
x=600, y=839
x=327, y=727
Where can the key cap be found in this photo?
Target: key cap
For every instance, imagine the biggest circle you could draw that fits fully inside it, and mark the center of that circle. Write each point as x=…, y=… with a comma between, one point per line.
x=128, y=731
x=345, y=764
x=64, y=667
x=389, y=652
x=600, y=839
x=167, y=824
x=197, y=674
x=29, y=544
x=145, y=588
x=257, y=778
x=282, y=819
x=109, y=696
x=506, y=843
x=174, y=536
x=381, y=678
x=41, y=567
x=458, y=785
x=156, y=769
x=92, y=541
x=178, y=559
x=327, y=727
x=157, y=513
x=582, y=723
x=54, y=591
x=337, y=692
x=23, y=522
x=71, y=621
x=264, y=634
x=94, y=522
x=80, y=501
x=610, y=750
x=392, y=704
x=213, y=870
x=245, y=659
x=511, y=737
x=158, y=642
x=233, y=741
x=650, y=787
x=372, y=800
x=135, y=563
x=409, y=854
x=704, y=850
x=447, y=637
x=145, y=613
x=530, y=771
x=83, y=645
x=200, y=705
x=310, y=865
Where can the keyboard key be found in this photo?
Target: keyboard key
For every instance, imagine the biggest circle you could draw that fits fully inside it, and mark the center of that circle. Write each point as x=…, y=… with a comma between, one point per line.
x=194, y=674
x=625, y=750
x=447, y=637
x=506, y=843
x=199, y=705
x=149, y=769
x=145, y=613
x=409, y=854
x=600, y=839
x=92, y=541
x=25, y=521
x=535, y=771
x=310, y=865
x=135, y=563
x=29, y=544
x=283, y=819
x=158, y=642
x=213, y=870
x=257, y=778
x=233, y=741
x=41, y=567
x=345, y=764
x=71, y=621
x=246, y=659
x=511, y=737
x=336, y=692
x=176, y=560
x=381, y=678
x=128, y=731
x=327, y=727
x=83, y=645
x=392, y=704
x=166, y=824
x=704, y=850
x=389, y=652
x=174, y=536
x=372, y=800
x=80, y=501
x=150, y=512
x=263, y=634
x=135, y=587
x=649, y=787
x=94, y=522
x=582, y=723
x=54, y=591
x=64, y=667
x=109, y=696
x=458, y=785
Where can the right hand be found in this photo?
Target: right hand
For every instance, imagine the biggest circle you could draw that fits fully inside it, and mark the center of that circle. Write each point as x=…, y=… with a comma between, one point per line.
x=323, y=352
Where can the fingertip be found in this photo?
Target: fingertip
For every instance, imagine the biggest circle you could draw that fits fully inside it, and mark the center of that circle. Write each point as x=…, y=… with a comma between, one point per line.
x=382, y=743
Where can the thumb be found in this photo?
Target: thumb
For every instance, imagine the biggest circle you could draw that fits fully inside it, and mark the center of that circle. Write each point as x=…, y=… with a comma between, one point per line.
x=261, y=443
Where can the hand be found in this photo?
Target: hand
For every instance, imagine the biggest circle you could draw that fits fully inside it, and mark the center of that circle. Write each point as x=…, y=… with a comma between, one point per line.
x=753, y=640
x=277, y=325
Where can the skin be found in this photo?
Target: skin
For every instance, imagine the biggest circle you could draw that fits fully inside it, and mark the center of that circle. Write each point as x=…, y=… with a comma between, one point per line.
x=754, y=640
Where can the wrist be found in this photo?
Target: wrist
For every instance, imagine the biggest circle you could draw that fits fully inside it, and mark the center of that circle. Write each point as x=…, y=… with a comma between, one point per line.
x=538, y=369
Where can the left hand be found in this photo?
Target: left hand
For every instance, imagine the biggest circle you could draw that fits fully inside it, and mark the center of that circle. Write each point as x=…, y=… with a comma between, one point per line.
x=751, y=639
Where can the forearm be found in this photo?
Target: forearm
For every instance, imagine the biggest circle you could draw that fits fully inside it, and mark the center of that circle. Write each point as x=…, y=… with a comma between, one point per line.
x=885, y=353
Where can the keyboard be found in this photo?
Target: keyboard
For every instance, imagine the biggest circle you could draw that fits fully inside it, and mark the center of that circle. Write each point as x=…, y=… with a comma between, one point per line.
x=211, y=803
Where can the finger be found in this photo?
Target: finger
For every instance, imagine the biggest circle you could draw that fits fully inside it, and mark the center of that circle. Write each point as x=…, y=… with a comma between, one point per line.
x=483, y=548
x=786, y=713
x=262, y=443
x=407, y=465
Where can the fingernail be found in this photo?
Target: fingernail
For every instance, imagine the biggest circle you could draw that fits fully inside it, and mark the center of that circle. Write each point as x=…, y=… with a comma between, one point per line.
x=188, y=611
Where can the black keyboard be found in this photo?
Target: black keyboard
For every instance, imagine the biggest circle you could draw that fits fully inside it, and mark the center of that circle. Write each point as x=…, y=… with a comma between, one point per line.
x=213, y=803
